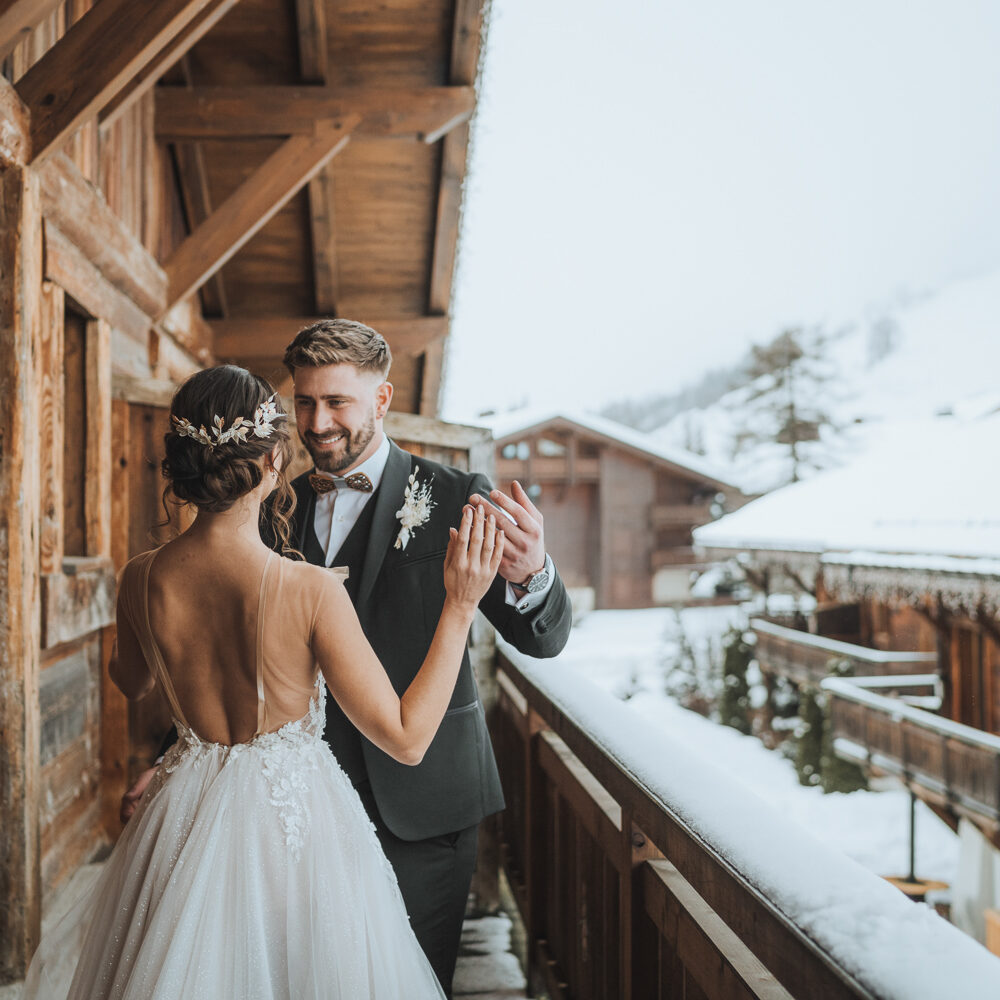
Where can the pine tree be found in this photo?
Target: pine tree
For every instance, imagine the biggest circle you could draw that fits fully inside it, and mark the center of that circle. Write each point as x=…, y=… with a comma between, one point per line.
x=809, y=740
x=734, y=705
x=787, y=381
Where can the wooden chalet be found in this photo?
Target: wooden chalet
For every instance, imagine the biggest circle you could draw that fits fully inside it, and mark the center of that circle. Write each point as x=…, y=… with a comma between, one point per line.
x=905, y=635
x=184, y=182
x=619, y=509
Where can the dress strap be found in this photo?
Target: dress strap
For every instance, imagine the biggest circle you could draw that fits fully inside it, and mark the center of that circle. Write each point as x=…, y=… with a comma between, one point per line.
x=151, y=650
x=261, y=608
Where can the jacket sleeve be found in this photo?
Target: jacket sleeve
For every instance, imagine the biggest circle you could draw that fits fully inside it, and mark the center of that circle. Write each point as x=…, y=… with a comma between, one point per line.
x=541, y=632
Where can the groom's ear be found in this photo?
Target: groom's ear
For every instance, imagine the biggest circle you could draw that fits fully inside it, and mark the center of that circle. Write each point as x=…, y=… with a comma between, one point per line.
x=383, y=397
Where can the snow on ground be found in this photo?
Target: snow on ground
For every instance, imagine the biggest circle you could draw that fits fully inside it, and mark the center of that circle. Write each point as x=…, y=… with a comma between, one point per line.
x=625, y=651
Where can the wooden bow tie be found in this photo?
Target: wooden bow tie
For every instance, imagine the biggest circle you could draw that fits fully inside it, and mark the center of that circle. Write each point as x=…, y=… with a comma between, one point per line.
x=326, y=484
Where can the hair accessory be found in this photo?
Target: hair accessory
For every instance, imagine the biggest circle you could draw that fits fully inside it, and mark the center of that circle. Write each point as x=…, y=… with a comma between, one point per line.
x=263, y=417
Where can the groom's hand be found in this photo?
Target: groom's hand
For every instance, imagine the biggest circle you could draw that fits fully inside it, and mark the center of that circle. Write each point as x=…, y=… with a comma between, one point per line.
x=524, y=545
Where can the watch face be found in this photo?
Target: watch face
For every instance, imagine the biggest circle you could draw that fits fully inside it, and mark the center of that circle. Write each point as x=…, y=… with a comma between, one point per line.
x=538, y=582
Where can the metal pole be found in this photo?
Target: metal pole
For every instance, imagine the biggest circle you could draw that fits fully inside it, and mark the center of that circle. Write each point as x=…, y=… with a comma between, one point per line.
x=913, y=837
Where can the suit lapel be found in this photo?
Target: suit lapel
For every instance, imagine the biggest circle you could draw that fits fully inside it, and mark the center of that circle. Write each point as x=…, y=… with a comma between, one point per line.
x=385, y=525
x=304, y=507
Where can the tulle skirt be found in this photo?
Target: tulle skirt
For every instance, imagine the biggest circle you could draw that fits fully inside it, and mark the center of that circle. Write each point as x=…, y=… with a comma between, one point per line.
x=246, y=873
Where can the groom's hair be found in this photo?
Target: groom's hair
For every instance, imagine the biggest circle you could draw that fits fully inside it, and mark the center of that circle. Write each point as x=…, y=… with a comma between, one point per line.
x=339, y=342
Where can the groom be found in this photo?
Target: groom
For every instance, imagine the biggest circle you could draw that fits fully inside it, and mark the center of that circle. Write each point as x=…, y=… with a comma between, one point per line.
x=384, y=514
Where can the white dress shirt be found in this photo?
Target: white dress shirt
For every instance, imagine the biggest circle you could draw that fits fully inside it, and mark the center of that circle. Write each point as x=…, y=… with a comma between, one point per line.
x=337, y=512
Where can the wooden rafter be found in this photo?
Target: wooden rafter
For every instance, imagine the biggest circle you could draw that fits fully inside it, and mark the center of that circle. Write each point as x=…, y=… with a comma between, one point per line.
x=209, y=16
x=465, y=44
x=268, y=336
x=18, y=17
x=192, y=176
x=314, y=69
x=251, y=205
x=184, y=115
x=112, y=45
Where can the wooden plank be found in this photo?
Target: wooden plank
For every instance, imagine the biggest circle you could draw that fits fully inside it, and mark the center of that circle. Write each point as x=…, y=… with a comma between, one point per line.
x=96, y=58
x=52, y=411
x=713, y=955
x=15, y=126
x=20, y=491
x=78, y=601
x=68, y=267
x=268, y=336
x=253, y=203
x=19, y=17
x=187, y=115
x=189, y=329
x=147, y=391
x=98, y=468
x=114, y=741
x=431, y=377
x=313, y=67
x=206, y=19
x=81, y=213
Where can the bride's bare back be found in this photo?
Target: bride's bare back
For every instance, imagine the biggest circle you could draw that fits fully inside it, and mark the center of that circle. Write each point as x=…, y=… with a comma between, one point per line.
x=206, y=612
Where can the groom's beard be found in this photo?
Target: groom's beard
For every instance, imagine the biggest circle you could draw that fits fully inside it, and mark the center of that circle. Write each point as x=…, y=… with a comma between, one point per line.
x=345, y=452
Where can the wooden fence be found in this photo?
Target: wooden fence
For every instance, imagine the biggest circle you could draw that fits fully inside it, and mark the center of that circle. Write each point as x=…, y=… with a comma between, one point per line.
x=619, y=896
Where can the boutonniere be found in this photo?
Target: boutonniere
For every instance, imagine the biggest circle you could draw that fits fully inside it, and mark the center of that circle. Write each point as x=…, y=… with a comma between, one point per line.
x=416, y=509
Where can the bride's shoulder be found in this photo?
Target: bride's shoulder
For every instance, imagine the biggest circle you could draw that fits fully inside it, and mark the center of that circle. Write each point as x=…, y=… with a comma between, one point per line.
x=314, y=577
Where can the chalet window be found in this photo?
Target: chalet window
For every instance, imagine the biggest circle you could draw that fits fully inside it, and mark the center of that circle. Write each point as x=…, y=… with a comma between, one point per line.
x=509, y=451
x=548, y=448
x=75, y=435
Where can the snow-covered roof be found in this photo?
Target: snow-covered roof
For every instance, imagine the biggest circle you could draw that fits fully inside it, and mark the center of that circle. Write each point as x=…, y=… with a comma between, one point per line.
x=509, y=425
x=928, y=489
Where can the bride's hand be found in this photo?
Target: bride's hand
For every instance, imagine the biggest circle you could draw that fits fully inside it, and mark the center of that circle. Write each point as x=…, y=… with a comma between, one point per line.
x=474, y=553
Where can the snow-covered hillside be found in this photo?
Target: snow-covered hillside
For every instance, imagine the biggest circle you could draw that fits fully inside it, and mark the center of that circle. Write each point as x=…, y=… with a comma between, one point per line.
x=936, y=356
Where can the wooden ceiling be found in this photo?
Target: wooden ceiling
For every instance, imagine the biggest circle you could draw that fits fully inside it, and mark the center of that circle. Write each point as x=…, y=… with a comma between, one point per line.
x=318, y=149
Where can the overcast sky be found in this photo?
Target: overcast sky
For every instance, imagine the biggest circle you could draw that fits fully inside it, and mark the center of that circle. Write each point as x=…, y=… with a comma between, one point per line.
x=655, y=184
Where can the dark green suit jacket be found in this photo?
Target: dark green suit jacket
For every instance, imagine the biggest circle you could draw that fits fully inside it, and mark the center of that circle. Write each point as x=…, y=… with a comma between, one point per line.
x=398, y=597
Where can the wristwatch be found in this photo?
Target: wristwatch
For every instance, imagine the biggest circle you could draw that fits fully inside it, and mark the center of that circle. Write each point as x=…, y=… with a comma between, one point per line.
x=537, y=581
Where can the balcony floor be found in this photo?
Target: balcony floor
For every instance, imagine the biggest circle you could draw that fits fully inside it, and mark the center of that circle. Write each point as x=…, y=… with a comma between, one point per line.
x=487, y=968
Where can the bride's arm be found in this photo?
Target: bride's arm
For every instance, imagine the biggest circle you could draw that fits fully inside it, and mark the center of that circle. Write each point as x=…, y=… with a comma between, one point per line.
x=127, y=667
x=404, y=726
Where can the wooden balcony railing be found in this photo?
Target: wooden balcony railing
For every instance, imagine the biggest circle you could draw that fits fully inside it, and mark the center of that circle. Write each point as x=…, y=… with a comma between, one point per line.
x=952, y=765
x=626, y=894
x=806, y=659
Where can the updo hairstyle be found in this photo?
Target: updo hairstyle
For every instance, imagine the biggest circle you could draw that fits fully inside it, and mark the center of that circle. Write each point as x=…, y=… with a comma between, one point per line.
x=214, y=478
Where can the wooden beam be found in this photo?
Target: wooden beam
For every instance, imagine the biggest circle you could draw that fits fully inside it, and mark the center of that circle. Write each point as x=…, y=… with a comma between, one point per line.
x=51, y=427
x=15, y=126
x=97, y=504
x=465, y=46
x=69, y=268
x=254, y=202
x=145, y=392
x=314, y=69
x=192, y=175
x=314, y=59
x=207, y=18
x=82, y=215
x=184, y=115
x=103, y=52
x=19, y=17
x=268, y=336
x=20, y=489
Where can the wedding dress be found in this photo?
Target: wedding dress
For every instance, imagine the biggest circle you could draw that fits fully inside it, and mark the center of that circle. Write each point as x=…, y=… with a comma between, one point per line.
x=248, y=872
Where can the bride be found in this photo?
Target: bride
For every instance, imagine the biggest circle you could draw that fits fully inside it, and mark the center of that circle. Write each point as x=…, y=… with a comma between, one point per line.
x=250, y=869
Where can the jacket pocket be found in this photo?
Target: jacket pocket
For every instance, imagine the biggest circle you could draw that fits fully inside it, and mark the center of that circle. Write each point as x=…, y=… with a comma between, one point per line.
x=461, y=708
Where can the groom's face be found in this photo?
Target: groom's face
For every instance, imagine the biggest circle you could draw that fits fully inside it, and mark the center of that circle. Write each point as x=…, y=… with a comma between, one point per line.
x=338, y=412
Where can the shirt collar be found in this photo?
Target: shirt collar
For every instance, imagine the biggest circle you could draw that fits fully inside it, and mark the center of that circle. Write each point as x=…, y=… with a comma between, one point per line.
x=373, y=466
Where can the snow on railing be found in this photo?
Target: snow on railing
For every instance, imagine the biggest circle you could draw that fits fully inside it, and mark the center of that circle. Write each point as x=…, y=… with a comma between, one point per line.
x=850, y=690
x=837, y=647
x=897, y=949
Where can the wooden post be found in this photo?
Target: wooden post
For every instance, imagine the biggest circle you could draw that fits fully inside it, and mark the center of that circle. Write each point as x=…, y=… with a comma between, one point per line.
x=51, y=427
x=97, y=504
x=636, y=849
x=20, y=519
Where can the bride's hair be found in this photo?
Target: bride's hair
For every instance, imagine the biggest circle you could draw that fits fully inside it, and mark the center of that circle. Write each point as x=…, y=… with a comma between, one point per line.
x=213, y=474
